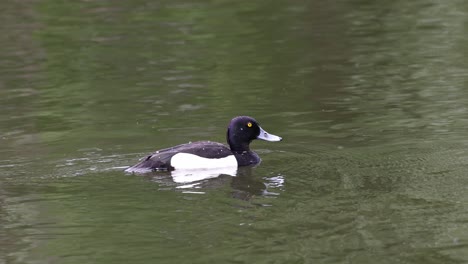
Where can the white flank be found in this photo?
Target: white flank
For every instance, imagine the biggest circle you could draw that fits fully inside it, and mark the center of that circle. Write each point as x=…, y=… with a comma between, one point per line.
x=186, y=161
x=190, y=168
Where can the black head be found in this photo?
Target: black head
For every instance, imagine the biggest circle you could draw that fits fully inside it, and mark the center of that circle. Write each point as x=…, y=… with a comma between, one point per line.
x=242, y=130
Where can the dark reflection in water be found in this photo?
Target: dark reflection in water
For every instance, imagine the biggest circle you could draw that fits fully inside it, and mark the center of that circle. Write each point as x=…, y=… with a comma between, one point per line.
x=369, y=97
x=244, y=183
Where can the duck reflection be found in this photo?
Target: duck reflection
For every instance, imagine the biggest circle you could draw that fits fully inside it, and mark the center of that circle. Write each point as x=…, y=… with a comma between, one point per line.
x=243, y=181
x=245, y=186
x=190, y=176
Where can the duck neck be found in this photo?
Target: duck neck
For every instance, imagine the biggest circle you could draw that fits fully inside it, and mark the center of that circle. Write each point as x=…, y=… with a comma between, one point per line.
x=237, y=145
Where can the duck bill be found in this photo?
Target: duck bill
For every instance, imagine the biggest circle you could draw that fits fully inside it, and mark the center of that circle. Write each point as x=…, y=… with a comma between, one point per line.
x=267, y=136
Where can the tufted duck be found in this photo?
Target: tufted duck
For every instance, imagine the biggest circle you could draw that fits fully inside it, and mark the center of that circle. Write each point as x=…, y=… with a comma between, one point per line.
x=206, y=154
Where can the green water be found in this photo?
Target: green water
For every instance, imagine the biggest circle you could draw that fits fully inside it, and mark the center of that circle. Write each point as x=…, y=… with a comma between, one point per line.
x=369, y=96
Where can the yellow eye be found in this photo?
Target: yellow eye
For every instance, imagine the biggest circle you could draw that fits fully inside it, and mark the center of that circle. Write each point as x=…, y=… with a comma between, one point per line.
x=249, y=124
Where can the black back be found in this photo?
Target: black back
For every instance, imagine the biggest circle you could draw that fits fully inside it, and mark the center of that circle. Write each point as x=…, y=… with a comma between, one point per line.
x=160, y=160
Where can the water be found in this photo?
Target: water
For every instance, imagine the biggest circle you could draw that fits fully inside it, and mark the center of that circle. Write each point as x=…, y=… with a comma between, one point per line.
x=369, y=97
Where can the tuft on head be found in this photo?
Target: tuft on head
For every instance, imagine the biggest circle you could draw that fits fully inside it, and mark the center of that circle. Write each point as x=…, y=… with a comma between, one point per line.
x=241, y=131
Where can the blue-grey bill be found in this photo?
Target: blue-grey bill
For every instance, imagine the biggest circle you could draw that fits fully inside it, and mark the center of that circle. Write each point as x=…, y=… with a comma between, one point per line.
x=267, y=136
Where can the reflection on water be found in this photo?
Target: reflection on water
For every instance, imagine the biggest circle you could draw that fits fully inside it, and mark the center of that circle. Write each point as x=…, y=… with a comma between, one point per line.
x=369, y=96
x=187, y=176
x=244, y=185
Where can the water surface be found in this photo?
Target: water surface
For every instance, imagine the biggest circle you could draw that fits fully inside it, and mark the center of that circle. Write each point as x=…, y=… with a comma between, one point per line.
x=369, y=97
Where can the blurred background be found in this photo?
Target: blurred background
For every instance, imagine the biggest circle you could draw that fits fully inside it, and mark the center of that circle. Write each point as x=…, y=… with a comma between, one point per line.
x=370, y=98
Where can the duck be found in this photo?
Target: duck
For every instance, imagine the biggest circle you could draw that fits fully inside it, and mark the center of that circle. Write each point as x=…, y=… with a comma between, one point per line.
x=241, y=131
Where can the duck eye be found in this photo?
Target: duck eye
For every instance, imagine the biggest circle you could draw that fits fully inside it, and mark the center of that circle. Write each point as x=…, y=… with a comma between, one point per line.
x=249, y=124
